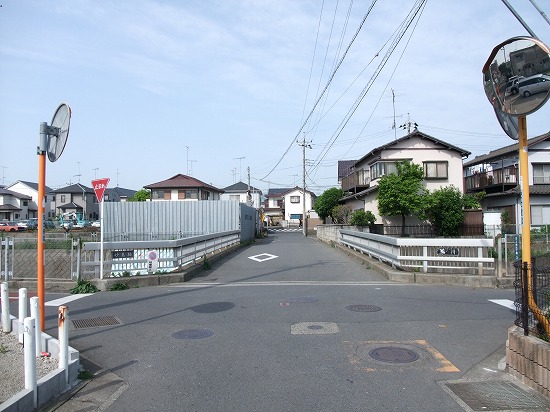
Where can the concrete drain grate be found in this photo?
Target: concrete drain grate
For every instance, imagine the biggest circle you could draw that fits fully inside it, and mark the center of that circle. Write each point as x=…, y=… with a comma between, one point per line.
x=392, y=354
x=95, y=322
x=496, y=396
x=364, y=308
x=193, y=334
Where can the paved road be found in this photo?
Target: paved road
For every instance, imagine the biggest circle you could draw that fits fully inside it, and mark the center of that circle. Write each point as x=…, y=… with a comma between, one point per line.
x=287, y=324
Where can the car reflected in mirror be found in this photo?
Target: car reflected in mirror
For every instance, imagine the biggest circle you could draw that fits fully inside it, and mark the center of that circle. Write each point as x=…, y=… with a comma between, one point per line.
x=516, y=77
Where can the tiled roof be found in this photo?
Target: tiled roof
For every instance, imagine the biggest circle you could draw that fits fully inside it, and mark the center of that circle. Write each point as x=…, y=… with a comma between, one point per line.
x=180, y=181
x=415, y=133
x=511, y=150
x=14, y=194
x=240, y=187
x=515, y=191
x=76, y=188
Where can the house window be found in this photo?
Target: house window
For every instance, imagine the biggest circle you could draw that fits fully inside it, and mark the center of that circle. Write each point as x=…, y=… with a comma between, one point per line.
x=25, y=202
x=436, y=170
x=62, y=198
x=279, y=202
x=541, y=173
x=296, y=216
x=540, y=215
x=205, y=195
x=106, y=198
x=380, y=169
x=294, y=199
x=181, y=194
x=157, y=194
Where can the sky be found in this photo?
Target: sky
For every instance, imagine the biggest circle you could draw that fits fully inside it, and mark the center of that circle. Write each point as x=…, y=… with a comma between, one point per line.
x=228, y=90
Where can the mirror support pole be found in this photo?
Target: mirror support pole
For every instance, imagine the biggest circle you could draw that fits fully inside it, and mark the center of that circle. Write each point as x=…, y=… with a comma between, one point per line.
x=526, y=222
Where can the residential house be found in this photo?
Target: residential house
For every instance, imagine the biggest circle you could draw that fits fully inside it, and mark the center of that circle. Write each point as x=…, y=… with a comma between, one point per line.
x=497, y=174
x=242, y=193
x=14, y=205
x=287, y=204
x=182, y=187
x=82, y=200
x=441, y=161
x=31, y=189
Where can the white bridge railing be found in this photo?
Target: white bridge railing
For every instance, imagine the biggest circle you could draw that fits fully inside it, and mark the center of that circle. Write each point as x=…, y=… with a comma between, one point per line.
x=131, y=257
x=439, y=255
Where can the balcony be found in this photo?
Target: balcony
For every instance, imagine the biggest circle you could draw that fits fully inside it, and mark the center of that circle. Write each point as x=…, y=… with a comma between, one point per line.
x=356, y=181
x=492, y=181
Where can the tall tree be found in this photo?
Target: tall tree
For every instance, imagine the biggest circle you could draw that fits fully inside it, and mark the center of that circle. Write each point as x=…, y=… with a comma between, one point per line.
x=140, y=196
x=327, y=201
x=402, y=193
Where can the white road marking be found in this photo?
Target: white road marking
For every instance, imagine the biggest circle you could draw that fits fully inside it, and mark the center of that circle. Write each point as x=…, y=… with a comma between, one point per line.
x=263, y=257
x=507, y=303
x=66, y=299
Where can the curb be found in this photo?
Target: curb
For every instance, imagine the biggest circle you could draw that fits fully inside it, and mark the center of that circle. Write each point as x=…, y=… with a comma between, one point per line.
x=49, y=386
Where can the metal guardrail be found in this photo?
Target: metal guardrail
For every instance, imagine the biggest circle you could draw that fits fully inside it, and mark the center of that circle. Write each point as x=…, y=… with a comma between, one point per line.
x=130, y=257
x=427, y=255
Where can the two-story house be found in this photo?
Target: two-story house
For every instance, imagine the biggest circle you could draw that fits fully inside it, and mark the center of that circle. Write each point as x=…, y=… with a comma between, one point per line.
x=242, y=193
x=31, y=189
x=14, y=205
x=82, y=200
x=441, y=161
x=182, y=187
x=497, y=174
x=287, y=204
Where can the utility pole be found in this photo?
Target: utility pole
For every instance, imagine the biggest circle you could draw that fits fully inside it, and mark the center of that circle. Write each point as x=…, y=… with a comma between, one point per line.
x=304, y=145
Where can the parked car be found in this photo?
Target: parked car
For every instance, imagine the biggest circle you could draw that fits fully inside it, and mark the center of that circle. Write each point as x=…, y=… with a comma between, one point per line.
x=48, y=224
x=32, y=223
x=23, y=224
x=512, y=85
x=9, y=227
x=534, y=84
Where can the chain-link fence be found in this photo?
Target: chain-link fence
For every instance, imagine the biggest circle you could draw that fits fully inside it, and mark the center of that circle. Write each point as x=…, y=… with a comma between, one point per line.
x=19, y=257
x=540, y=289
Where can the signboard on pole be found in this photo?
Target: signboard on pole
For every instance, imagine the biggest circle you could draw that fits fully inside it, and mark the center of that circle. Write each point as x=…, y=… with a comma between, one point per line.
x=99, y=186
x=152, y=261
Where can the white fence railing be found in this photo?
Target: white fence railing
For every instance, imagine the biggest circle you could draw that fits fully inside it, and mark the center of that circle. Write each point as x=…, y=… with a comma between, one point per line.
x=464, y=255
x=131, y=257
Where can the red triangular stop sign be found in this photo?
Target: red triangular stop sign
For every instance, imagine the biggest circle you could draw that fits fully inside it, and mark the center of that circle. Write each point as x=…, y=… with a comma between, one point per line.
x=99, y=186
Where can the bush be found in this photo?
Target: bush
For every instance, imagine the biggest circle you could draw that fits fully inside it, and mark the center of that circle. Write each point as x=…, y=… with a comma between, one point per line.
x=361, y=218
x=84, y=286
x=119, y=286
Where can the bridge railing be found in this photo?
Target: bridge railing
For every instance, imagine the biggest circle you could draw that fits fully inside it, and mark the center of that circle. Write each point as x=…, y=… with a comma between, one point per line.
x=131, y=257
x=435, y=255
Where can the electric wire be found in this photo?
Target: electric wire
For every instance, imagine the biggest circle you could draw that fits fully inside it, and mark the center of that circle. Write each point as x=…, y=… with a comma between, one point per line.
x=326, y=87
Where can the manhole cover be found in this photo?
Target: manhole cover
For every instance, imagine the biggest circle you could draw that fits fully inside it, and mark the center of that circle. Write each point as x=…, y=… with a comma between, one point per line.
x=301, y=299
x=95, y=322
x=364, y=308
x=193, y=334
x=392, y=354
x=496, y=396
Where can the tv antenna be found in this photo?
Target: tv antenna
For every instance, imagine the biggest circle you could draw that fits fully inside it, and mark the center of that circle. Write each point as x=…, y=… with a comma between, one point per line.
x=52, y=141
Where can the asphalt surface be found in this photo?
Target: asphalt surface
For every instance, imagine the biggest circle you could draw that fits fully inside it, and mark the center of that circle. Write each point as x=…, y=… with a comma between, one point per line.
x=286, y=324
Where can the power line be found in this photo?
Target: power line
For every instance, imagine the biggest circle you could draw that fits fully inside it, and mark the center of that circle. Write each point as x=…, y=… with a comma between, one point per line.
x=326, y=87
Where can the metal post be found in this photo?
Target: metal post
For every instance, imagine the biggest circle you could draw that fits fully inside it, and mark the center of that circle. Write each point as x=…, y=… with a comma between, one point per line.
x=524, y=299
x=101, y=231
x=22, y=311
x=40, y=202
x=35, y=313
x=6, y=321
x=63, y=335
x=30, y=359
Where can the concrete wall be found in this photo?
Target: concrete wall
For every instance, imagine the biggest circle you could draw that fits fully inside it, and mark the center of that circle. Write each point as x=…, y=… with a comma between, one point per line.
x=528, y=359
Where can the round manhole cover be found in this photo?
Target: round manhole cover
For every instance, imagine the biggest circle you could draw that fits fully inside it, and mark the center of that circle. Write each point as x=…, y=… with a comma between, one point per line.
x=364, y=308
x=301, y=299
x=192, y=334
x=391, y=354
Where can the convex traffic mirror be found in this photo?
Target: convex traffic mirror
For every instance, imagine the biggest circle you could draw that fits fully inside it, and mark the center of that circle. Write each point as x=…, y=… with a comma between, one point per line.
x=516, y=77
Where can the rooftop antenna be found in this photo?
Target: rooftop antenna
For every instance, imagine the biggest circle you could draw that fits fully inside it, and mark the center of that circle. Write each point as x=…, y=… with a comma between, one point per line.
x=95, y=169
x=3, y=177
x=117, y=173
x=393, y=125
x=240, y=160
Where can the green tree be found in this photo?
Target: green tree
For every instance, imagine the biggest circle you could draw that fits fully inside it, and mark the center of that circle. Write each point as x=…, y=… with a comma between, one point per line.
x=445, y=211
x=140, y=196
x=402, y=193
x=327, y=201
x=361, y=218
